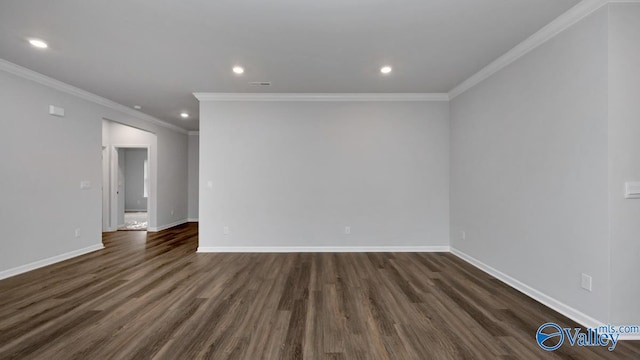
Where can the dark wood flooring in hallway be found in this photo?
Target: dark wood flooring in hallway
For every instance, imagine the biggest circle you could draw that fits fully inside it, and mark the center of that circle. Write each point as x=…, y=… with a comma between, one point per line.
x=150, y=296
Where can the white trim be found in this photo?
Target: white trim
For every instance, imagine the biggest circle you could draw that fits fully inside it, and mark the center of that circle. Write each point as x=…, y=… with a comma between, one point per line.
x=192, y=219
x=152, y=206
x=193, y=133
x=315, y=249
x=561, y=23
x=48, y=261
x=564, y=309
x=167, y=226
x=321, y=96
x=82, y=94
x=629, y=337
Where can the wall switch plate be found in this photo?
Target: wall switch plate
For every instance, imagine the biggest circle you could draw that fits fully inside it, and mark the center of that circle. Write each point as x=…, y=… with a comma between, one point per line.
x=347, y=230
x=210, y=184
x=632, y=190
x=85, y=185
x=56, y=111
x=77, y=232
x=586, y=282
x=225, y=230
x=463, y=235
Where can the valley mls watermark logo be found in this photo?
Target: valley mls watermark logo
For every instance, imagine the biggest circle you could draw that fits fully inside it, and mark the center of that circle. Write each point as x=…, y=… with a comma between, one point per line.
x=551, y=336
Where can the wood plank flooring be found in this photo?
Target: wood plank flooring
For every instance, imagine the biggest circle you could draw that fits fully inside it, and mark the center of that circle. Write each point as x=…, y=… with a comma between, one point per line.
x=152, y=297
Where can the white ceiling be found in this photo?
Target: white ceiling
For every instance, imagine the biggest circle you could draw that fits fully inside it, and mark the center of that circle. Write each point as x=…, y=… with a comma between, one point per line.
x=156, y=53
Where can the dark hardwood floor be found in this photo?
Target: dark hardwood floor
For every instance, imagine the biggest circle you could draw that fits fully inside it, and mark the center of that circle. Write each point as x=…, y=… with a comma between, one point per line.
x=151, y=296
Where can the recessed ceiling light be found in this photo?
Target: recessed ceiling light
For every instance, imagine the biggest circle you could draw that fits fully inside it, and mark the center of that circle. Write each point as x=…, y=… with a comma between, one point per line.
x=38, y=43
x=238, y=70
x=137, y=107
x=385, y=69
x=184, y=115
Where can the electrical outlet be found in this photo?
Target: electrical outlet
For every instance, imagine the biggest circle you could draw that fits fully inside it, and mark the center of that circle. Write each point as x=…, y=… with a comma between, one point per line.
x=347, y=230
x=171, y=212
x=77, y=232
x=586, y=282
x=225, y=230
x=463, y=235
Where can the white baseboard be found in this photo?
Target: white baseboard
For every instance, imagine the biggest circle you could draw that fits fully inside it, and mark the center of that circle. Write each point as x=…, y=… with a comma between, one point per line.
x=48, y=261
x=192, y=219
x=167, y=226
x=564, y=309
x=135, y=210
x=308, y=249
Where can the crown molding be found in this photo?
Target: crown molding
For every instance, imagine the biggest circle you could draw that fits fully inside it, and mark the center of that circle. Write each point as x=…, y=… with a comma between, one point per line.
x=202, y=96
x=561, y=23
x=82, y=94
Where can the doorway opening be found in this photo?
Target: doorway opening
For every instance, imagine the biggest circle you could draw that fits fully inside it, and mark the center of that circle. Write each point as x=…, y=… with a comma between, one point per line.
x=133, y=188
x=128, y=178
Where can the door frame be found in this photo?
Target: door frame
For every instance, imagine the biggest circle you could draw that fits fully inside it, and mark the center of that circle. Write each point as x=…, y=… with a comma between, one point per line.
x=106, y=191
x=113, y=183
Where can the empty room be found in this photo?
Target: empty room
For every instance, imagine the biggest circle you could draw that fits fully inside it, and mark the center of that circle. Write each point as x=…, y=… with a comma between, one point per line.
x=340, y=179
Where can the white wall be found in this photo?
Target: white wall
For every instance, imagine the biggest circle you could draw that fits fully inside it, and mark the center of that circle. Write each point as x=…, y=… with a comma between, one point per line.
x=294, y=174
x=134, y=199
x=624, y=160
x=172, y=184
x=529, y=162
x=193, y=169
x=44, y=158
